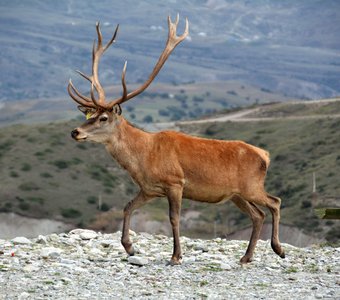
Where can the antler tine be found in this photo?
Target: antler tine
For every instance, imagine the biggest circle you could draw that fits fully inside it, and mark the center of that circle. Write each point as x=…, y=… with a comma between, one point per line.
x=113, y=39
x=78, y=93
x=123, y=82
x=94, y=100
x=82, y=100
x=172, y=42
x=89, y=78
x=177, y=19
x=97, y=52
x=99, y=34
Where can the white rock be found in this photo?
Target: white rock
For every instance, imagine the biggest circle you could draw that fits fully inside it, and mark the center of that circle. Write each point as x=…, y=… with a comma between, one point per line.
x=225, y=266
x=53, y=237
x=201, y=247
x=138, y=261
x=31, y=268
x=96, y=252
x=106, y=243
x=21, y=240
x=88, y=235
x=24, y=295
x=50, y=252
x=66, y=280
x=84, y=234
x=41, y=239
x=132, y=233
x=67, y=261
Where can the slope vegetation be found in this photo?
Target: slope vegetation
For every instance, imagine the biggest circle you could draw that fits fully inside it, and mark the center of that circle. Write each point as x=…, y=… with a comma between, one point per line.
x=45, y=174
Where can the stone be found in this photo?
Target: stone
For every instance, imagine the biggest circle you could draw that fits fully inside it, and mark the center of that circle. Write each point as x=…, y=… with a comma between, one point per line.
x=96, y=252
x=20, y=240
x=23, y=296
x=50, y=252
x=201, y=247
x=138, y=261
x=98, y=268
x=225, y=266
x=84, y=234
x=88, y=235
x=41, y=239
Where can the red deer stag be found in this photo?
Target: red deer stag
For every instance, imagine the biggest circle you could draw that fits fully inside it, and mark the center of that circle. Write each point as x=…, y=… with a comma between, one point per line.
x=174, y=165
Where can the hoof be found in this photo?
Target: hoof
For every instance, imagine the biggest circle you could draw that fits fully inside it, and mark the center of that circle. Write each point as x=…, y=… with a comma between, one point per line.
x=130, y=251
x=175, y=261
x=278, y=250
x=245, y=260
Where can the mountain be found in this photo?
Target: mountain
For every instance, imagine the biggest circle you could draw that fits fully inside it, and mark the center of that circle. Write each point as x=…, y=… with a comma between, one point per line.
x=287, y=47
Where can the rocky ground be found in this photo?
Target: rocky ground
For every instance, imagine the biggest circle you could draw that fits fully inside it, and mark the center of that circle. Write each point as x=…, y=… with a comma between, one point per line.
x=87, y=265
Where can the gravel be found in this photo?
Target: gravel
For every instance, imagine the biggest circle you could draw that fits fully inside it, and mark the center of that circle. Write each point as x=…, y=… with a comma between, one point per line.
x=88, y=265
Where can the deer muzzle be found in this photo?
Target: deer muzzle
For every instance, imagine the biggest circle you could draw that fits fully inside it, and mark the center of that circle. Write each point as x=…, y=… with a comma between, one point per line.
x=77, y=135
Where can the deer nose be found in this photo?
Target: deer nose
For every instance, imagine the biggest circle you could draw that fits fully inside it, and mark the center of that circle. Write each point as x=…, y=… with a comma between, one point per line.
x=74, y=133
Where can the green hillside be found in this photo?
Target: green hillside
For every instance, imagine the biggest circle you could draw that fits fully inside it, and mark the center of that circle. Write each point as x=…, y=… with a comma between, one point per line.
x=45, y=173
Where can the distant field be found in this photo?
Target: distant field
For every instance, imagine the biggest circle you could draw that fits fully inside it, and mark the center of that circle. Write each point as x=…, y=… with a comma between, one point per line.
x=46, y=174
x=160, y=103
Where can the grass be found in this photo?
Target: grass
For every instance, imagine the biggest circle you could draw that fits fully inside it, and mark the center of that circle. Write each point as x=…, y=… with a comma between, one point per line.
x=298, y=149
x=71, y=175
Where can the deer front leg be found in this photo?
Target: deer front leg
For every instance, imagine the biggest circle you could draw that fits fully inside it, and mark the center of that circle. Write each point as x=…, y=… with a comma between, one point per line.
x=137, y=202
x=175, y=201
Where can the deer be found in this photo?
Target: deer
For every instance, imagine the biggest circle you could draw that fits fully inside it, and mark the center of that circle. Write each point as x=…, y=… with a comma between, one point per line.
x=172, y=164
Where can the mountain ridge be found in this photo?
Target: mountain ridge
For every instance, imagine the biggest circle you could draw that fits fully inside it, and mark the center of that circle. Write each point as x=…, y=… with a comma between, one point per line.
x=286, y=47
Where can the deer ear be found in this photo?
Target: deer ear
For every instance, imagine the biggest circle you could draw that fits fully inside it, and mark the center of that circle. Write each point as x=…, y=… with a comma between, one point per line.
x=83, y=109
x=88, y=112
x=117, y=109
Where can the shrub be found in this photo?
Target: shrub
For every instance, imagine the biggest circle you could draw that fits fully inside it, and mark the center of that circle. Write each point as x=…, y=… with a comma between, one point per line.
x=24, y=206
x=333, y=235
x=163, y=112
x=105, y=207
x=46, y=175
x=91, y=199
x=70, y=213
x=28, y=186
x=82, y=146
x=148, y=119
x=232, y=93
x=39, y=154
x=38, y=200
x=76, y=161
x=197, y=99
x=26, y=167
x=61, y=164
x=13, y=174
x=306, y=204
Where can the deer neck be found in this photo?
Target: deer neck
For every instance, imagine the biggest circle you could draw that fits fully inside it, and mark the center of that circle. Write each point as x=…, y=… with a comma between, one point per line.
x=129, y=146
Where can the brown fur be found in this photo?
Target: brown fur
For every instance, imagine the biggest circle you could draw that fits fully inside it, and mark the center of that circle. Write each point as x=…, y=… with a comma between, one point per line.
x=176, y=165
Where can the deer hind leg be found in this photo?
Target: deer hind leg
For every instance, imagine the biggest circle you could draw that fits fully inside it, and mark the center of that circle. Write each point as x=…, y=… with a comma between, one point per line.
x=273, y=203
x=175, y=201
x=257, y=216
x=137, y=202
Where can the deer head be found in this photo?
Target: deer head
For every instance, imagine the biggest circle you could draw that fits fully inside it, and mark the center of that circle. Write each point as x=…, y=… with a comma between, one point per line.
x=103, y=116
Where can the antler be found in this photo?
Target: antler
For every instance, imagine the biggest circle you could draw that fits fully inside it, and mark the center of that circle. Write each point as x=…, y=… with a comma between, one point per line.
x=172, y=42
x=97, y=52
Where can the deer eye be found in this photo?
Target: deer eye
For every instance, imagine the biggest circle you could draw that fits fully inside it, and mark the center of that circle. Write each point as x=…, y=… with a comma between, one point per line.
x=103, y=119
